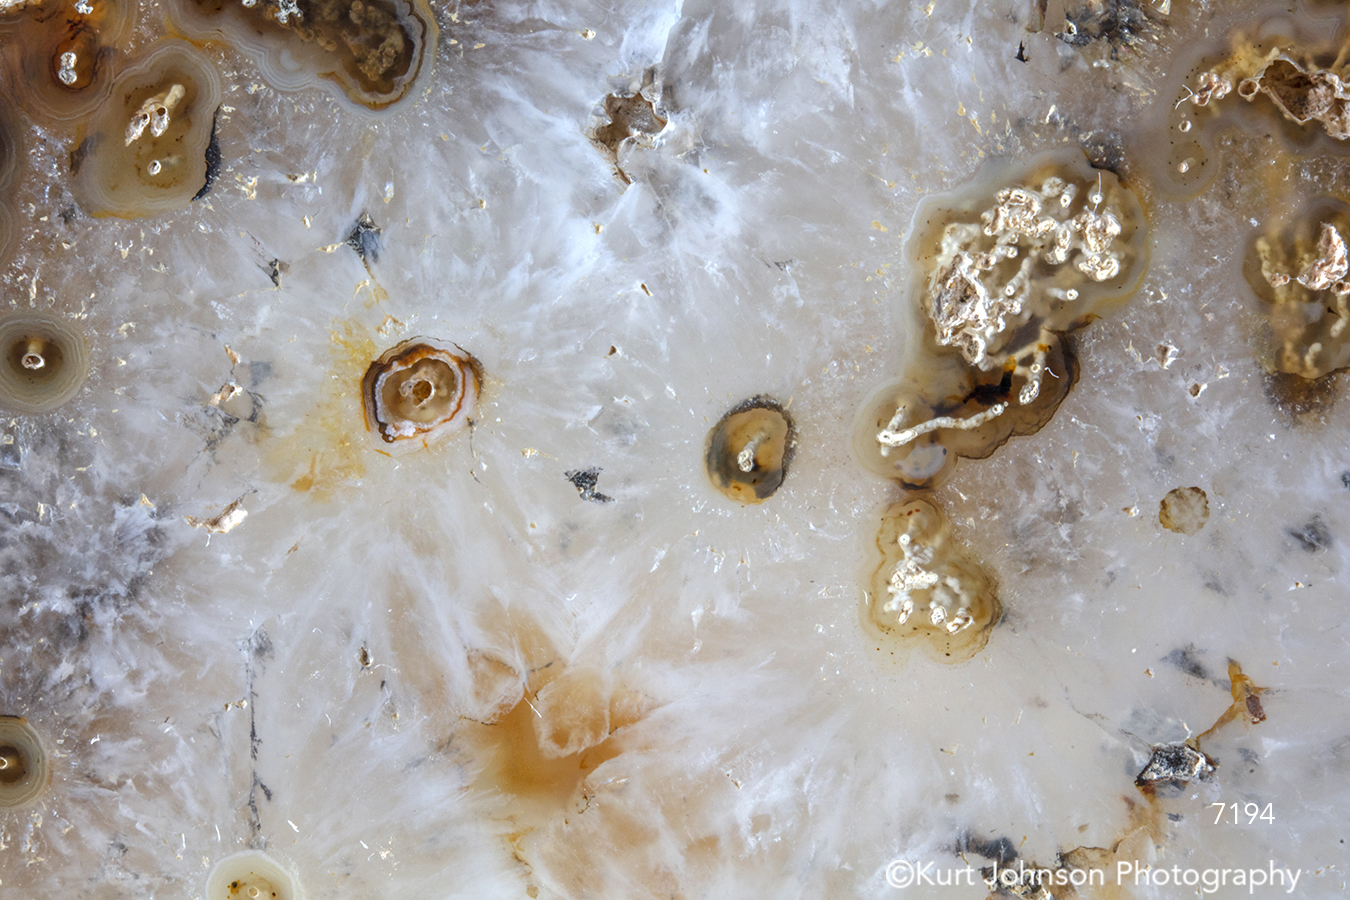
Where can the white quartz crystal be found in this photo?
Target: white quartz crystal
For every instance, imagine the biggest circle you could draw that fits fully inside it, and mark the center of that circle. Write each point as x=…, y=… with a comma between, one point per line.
x=314, y=680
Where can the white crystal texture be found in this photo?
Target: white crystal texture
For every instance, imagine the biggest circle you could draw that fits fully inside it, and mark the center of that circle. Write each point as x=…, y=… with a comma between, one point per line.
x=195, y=675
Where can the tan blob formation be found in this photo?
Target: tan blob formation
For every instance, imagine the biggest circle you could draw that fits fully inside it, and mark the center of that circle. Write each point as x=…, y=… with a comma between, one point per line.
x=1004, y=269
x=1299, y=265
x=25, y=767
x=749, y=450
x=251, y=875
x=926, y=593
x=145, y=151
x=370, y=52
x=1184, y=510
x=64, y=67
x=420, y=391
x=43, y=361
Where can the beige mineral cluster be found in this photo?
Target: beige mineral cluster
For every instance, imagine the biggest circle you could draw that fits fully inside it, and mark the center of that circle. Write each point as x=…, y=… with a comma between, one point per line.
x=926, y=591
x=1007, y=268
x=1298, y=266
x=1286, y=76
x=1294, y=82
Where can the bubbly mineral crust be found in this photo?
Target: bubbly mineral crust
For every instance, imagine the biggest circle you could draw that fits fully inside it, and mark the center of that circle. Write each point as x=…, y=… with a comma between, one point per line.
x=372, y=51
x=1008, y=267
x=1289, y=77
x=1300, y=268
x=926, y=591
x=145, y=151
x=1295, y=83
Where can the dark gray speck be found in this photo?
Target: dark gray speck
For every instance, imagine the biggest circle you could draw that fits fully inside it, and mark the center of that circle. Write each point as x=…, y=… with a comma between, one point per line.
x=1184, y=659
x=585, y=481
x=1312, y=535
x=365, y=239
x=212, y=158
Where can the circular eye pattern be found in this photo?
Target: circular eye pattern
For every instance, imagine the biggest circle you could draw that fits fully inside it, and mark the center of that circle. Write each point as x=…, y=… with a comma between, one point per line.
x=251, y=875
x=418, y=392
x=43, y=362
x=25, y=770
x=750, y=449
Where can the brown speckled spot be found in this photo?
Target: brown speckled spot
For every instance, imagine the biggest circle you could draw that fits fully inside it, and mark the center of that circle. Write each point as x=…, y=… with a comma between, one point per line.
x=1184, y=510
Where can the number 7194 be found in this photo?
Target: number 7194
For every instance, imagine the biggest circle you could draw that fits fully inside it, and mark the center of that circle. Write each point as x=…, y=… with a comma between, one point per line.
x=1253, y=812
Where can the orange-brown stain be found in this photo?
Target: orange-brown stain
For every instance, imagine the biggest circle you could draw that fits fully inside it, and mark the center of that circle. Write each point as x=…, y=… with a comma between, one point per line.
x=327, y=447
x=1246, y=703
x=518, y=766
